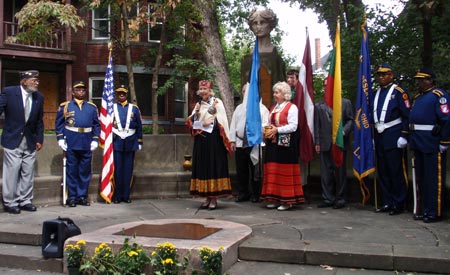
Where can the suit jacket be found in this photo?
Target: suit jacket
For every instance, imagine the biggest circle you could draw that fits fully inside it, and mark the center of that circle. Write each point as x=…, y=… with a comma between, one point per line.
x=323, y=128
x=15, y=127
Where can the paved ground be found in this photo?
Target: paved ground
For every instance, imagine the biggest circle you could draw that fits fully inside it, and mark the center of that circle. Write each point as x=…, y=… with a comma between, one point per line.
x=354, y=226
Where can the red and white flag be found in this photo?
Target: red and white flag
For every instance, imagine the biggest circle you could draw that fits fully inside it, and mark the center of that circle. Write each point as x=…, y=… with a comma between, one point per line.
x=304, y=99
x=106, y=136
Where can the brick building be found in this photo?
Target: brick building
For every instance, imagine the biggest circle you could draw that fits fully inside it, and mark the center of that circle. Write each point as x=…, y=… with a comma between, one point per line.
x=83, y=55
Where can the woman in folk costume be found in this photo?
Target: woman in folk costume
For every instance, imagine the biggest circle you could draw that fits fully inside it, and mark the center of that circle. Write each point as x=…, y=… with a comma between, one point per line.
x=209, y=126
x=282, y=186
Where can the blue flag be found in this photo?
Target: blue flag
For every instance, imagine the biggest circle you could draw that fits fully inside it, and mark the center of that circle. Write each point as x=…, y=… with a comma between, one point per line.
x=253, y=119
x=363, y=147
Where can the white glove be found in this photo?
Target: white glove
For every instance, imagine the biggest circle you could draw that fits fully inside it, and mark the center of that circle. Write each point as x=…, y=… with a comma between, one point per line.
x=443, y=148
x=62, y=143
x=94, y=145
x=402, y=142
x=139, y=147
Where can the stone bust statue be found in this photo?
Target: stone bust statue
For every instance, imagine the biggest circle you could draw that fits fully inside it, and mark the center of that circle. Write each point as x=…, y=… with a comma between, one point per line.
x=272, y=70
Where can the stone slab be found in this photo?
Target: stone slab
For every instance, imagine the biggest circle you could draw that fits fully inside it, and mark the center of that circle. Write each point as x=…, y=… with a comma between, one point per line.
x=422, y=258
x=229, y=237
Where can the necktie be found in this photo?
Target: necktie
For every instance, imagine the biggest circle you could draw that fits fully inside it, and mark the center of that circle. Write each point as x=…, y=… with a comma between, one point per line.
x=27, y=106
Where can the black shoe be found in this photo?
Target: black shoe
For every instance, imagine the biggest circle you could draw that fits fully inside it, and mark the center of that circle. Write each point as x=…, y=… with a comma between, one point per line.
x=71, y=203
x=116, y=201
x=242, y=198
x=127, y=201
x=384, y=209
x=324, y=205
x=339, y=205
x=430, y=219
x=83, y=201
x=417, y=217
x=254, y=199
x=12, y=209
x=28, y=207
x=395, y=211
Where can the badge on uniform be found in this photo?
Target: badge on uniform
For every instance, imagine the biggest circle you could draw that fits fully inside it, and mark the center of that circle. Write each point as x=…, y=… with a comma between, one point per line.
x=406, y=100
x=444, y=108
x=442, y=100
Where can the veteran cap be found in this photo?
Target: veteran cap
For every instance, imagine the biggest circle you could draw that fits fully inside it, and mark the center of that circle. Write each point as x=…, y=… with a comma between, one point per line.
x=29, y=74
x=384, y=68
x=121, y=89
x=79, y=84
x=425, y=73
x=205, y=83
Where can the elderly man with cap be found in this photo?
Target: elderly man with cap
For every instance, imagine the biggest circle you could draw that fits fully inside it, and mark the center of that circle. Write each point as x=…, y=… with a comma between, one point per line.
x=77, y=130
x=23, y=135
x=127, y=129
x=391, y=108
x=429, y=139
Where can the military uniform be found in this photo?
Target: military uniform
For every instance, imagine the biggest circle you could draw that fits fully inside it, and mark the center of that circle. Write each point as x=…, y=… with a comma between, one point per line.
x=77, y=123
x=391, y=109
x=127, y=129
x=430, y=137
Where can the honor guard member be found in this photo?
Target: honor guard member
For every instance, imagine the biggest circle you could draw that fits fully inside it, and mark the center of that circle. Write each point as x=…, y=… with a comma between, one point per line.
x=127, y=129
x=429, y=139
x=391, y=109
x=77, y=130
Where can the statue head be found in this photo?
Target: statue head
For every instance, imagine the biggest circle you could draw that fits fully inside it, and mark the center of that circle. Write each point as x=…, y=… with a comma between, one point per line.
x=262, y=22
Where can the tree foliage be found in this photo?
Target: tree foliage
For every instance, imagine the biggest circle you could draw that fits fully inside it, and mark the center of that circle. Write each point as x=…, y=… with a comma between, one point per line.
x=39, y=20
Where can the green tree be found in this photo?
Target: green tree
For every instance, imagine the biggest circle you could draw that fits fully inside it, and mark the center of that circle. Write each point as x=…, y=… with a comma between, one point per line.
x=40, y=20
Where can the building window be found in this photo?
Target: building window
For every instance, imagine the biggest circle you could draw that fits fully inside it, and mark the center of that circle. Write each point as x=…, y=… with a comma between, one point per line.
x=142, y=85
x=154, y=33
x=133, y=25
x=101, y=23
x=96, y=85
x=181, y=104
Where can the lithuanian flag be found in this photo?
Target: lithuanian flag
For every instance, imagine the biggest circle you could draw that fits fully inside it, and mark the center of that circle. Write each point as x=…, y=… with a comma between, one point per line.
x=333, y=98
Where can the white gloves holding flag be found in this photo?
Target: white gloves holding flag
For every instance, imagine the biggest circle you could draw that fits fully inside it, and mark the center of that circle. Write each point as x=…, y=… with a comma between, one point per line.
x=62, y=143
x=402, y=142
x=94, y=145
x=140, y=147
x=443, y=148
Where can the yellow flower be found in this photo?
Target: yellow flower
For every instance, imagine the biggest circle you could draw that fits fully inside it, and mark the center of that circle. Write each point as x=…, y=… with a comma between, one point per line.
x=68, y=246
x=81, y=242
x=167, y=261
x=154, y=253
x=132, y=253
x=221, y=248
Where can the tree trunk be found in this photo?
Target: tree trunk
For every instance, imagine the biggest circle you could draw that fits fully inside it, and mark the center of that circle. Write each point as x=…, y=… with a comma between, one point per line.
x=126, y=34
x=162, y=42
x=213, y=55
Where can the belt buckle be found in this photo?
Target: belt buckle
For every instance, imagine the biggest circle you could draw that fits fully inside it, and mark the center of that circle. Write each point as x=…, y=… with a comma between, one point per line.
x=80, y=130
x=411, y=127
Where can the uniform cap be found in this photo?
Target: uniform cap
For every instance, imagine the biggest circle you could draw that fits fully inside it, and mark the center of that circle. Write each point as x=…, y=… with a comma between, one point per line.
x=384, y=68
x=205, y=83
x=29, y=74
x=79, y=84
x=121, y=89
x=425, y=73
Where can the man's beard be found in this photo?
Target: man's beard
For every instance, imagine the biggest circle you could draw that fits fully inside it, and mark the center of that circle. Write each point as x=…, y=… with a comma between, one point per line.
x=30, y=89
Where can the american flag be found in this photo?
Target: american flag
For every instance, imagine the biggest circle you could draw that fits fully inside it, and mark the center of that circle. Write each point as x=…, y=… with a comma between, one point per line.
x=106, y=137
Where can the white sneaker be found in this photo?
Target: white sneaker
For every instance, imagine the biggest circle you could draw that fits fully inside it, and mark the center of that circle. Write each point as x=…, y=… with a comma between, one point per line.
x=284, y=207
x=272, y=205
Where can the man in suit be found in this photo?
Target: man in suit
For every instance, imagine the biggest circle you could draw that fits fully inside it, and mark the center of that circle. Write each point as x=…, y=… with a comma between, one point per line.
x=128, y=139
x=23, y=135
x=333, y=186
x=77, y=130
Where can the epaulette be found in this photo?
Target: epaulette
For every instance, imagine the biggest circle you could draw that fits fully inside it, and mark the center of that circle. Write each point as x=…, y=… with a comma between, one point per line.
x=64, y=104
x=92, y=103
x=417, y=95
x=400, y=89
x=438, y=93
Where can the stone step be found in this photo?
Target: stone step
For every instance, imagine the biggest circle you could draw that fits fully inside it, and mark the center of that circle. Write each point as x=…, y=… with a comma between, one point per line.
x=354, y=255
x=22, y=235
x=28, y=257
